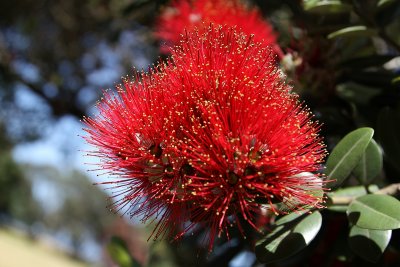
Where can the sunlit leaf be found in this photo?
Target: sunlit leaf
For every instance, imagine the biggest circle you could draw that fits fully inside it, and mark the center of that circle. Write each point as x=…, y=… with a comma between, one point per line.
x=378, y=212
x=325, y=7
x=353, y=31
x=383, y=3
x=369, y=244
x=293, y=233
x=370, y=165
x=346, y=155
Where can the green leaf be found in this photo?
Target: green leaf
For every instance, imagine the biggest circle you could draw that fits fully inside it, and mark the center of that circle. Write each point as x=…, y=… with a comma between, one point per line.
x=119, y=253
x=325, y=7
x=160, y=254
x=378, y=78
x=353, y=31
x=383, y=3
x=386, y=13
x=310, y=3
x=353, y=191
x=346, y=155
x=378, y=212
x=366, y=62
x=389, y=135
x=396, y=80
x=290, y=218
x=370, y=165
x=369, y=244
x=292, y=233
x=356, y=93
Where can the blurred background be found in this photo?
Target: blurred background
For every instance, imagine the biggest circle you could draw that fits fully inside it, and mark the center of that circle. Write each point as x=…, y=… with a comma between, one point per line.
x=56, y=57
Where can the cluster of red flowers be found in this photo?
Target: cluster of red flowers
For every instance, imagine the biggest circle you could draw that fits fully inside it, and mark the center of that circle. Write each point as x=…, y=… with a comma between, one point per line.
x=187, y=15
x=208, y=136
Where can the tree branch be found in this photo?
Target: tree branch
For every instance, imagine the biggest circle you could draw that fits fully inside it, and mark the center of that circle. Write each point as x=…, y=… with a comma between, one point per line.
x=62, y=104
x=392, y=189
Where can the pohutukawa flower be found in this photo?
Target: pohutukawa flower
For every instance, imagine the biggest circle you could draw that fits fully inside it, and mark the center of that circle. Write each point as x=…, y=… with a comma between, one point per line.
x=186, y=15
x=211, y=137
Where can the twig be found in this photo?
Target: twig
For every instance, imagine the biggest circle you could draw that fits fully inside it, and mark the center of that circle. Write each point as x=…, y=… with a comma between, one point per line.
x=392, y=189
x=340, y=200
x=389, y=190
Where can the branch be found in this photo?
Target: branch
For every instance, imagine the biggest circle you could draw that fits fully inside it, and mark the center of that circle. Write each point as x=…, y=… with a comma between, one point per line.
x=63, y=104
x=392, y=189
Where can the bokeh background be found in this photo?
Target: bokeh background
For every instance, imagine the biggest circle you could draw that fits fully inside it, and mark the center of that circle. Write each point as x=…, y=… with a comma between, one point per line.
x=56, y=58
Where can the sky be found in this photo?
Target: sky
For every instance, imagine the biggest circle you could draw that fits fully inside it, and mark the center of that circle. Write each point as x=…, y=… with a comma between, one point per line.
x=61, y=147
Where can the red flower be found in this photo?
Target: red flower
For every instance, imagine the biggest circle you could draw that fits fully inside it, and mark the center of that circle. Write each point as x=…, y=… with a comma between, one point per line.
x=186, y=14
x=208, y=136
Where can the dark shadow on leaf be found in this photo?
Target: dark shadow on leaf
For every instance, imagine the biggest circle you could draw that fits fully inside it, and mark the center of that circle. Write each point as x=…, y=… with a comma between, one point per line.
x=354, y=216
x=366, y=248
x=290, y=245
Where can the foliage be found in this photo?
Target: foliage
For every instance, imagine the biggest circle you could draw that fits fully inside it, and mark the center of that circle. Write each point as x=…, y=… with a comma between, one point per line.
x=119, y=252
x=78, y=208
x=16, y=200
